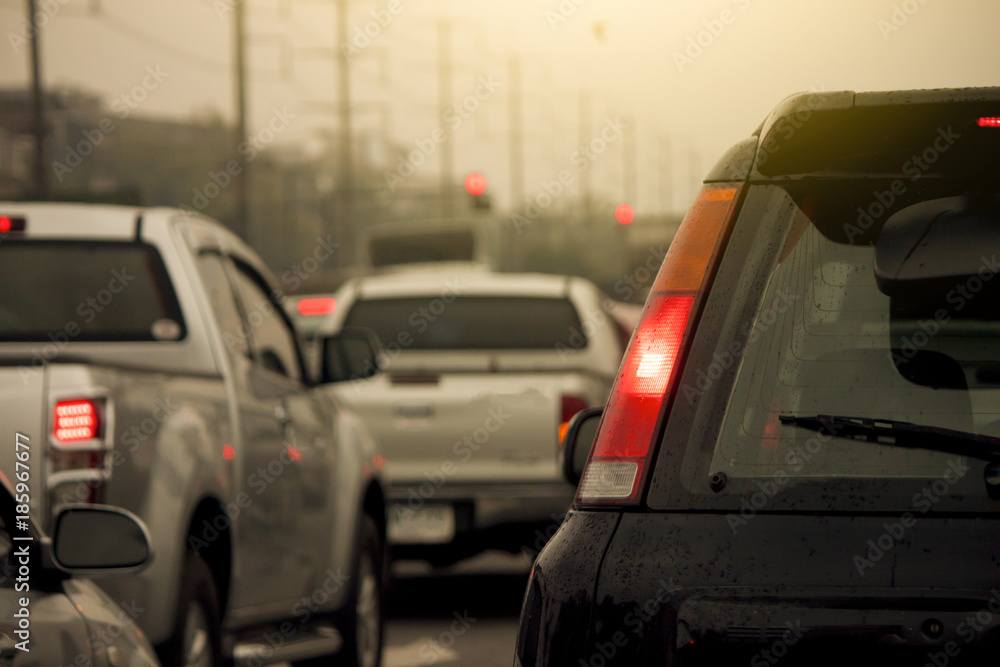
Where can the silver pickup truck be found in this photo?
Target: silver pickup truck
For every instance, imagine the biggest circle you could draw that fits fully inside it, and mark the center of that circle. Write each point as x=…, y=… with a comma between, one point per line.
x=147, y=356
x=481, y=374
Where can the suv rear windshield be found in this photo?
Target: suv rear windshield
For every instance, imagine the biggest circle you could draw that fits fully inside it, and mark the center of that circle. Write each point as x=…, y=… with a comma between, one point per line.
x=82, y=291
x=857, y=298
x=471, y=323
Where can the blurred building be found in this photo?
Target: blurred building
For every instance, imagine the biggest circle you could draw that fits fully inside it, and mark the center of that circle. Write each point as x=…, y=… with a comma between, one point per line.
x=15, y=163
x=99, y=152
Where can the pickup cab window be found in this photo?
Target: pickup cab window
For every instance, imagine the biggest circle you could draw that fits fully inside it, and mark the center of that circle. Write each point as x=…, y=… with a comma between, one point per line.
x=86, y=291
x=220, y=295
x=272, y=337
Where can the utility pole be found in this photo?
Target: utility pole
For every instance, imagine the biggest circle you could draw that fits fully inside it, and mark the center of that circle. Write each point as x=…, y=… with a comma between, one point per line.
x=586, y=178
x=630, y=186
x=445, y=99
x=516, y=134
x=242, y=223
x=41, y=180
x=695, y=174
x=346, y=152
x=550, y=118
x=666, y=177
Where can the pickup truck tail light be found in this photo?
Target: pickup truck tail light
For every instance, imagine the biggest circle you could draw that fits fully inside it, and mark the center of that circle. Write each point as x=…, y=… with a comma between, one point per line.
x=570, y=406
x=622, y=453
x=75, y=421
x=10, y=223
x=78, y=451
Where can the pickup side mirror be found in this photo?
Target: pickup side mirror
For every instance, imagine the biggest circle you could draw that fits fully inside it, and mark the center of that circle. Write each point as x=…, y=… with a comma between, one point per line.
x=580, y=436
x=89, y=538
x=352, y=354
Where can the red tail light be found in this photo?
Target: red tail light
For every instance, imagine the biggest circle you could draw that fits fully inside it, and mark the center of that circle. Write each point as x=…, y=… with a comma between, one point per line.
x=619, y=460
x=989, y=121
x=78, y=457
x=75, y=421
x=317, y=306
x=570, y=406
x=12, y=224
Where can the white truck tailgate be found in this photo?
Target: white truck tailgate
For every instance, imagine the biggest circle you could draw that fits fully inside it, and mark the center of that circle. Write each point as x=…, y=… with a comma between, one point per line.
x=463, y=427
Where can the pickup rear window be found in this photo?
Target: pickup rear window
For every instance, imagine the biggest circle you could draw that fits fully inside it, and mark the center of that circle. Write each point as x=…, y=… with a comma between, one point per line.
x=471, y=323
x=57, y=291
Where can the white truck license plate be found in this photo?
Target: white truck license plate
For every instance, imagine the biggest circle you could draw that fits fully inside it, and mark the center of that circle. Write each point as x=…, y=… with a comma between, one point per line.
x=430, y=524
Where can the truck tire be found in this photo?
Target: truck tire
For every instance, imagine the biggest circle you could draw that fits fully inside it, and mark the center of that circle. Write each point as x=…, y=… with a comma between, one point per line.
x=361, y=623
x=196, y=638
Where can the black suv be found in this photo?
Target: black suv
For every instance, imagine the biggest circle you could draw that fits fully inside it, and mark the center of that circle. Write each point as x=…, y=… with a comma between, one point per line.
x=800, y=461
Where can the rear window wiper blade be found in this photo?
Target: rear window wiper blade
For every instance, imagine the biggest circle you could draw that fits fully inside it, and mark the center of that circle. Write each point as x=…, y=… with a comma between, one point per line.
x=901, y=434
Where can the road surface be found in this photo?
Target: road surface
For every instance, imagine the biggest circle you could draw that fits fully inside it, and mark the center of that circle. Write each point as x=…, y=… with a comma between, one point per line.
x=466, y=615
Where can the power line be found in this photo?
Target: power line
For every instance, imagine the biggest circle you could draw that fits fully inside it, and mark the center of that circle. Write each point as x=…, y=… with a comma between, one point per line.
x=140, y=35
x=301, y=28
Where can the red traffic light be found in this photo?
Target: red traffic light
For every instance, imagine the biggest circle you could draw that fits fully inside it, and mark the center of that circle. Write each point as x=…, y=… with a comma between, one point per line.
x=475, y=184
x=624, y=214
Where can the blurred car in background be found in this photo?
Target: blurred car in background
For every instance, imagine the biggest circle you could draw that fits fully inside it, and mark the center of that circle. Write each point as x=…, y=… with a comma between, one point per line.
x=800, y=461
x=410, y=243
x=50, y=614
x=401, y=246
x=481, y=374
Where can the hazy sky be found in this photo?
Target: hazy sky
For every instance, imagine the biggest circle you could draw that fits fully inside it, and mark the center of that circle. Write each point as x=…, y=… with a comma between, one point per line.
x=638, y=59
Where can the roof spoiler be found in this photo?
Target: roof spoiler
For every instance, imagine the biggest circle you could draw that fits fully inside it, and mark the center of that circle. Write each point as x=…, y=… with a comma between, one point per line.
x=908, y=133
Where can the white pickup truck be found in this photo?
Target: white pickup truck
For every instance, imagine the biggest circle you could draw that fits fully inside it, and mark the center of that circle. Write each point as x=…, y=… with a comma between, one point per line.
x=481, y=373
x=147, y=357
